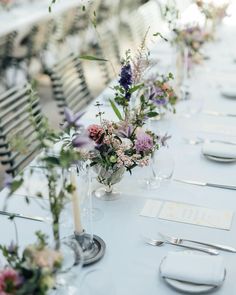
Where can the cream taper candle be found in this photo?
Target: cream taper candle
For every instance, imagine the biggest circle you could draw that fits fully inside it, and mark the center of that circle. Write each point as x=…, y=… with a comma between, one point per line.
x=75, y=203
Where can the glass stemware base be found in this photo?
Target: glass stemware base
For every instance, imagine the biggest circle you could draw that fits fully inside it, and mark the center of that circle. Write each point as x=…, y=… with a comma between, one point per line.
x=107, y=193
x=152, y=183
x=160, y=170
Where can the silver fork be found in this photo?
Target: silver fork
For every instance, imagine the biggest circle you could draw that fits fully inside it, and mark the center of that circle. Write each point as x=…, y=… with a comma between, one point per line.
x=199, y=140
x=180, y=241
x=158, y=243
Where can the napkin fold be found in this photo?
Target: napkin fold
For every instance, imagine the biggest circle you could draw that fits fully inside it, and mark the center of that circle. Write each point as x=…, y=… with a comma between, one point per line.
x=194, y=268
x=221, y=150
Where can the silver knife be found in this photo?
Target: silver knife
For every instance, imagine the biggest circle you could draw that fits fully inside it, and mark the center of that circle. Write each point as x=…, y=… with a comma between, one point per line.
x=202, y=249
x=216, y=246
x=210, y=184
x=214, y=113
x=17, y=215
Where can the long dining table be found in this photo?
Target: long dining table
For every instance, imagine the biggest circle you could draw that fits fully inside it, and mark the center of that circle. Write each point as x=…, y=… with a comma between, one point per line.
x=130, y=266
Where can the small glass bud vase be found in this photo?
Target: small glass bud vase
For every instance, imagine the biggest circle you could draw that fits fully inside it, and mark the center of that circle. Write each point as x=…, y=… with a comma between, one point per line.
x=182, y=72
x=108, y=177
x=179, y=68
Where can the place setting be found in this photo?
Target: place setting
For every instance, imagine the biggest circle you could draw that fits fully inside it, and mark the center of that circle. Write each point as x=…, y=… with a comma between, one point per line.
x=191, y=265
x=220, y=152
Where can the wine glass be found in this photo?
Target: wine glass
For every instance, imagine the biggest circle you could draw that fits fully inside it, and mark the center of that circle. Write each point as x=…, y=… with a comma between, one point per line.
x=70, y=271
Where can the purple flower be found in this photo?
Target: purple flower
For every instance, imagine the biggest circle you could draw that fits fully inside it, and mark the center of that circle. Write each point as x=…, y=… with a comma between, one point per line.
x=157, y=96
x=158, y=91
x=126, y=79
x=125, y=131
x=81, y=141
x=143, y=142
x=160, y=101
x=72, y=120
x=12, y=248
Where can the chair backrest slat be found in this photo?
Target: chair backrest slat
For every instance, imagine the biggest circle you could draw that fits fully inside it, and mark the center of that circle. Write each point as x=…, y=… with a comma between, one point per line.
x=69, y=85
x=17, y=108
x=19, y=165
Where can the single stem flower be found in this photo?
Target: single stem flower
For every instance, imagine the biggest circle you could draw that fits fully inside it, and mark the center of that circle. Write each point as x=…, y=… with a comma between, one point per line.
x=126, y=79
x=72, y=120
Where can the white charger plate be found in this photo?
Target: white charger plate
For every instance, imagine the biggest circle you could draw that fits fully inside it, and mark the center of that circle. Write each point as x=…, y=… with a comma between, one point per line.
x=186, y=287
x=220, y=159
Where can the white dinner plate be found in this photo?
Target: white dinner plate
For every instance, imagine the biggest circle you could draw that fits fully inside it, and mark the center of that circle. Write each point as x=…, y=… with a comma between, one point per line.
x=229, y=92
x=189, y=287
x=186, y=287
x=220, y=159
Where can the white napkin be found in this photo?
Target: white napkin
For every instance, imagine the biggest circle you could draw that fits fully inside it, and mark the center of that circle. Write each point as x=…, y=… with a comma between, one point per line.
x=221, y=150
x=229, y=91
x=194, y=268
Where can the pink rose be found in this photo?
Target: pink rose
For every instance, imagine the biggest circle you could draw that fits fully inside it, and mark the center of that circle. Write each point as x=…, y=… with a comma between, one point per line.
x=95, y=132
x=10, y=281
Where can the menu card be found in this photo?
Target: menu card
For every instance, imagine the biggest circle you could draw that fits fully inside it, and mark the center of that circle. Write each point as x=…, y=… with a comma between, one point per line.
x=186, y=213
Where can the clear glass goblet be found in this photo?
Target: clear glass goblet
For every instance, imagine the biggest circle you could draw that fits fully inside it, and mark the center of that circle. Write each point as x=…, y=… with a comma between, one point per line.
x=161, y=168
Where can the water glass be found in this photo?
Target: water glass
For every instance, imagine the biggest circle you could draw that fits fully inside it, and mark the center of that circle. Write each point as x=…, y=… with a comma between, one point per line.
x=161, y=168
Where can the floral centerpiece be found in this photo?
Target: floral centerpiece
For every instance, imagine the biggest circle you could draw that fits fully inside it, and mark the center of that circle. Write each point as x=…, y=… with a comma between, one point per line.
x=188, y=41
x=214, y=12
x=128, y=93
x=120, y=146
x=32, y=272
x=162, y=95
x=141, y=95
x=192, y=38
x=125, y=144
